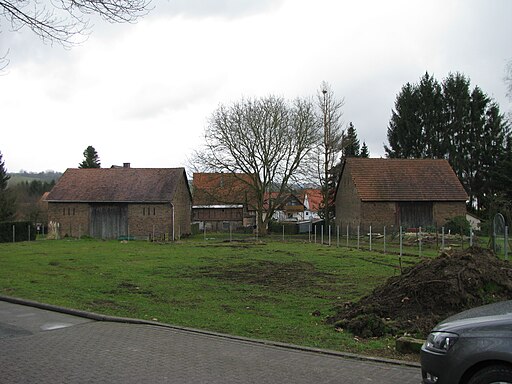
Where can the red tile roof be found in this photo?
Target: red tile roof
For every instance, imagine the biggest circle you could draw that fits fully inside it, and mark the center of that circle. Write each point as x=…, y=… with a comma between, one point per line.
x=117, y=185
x=404, y=180
x=222, y=188
x=314, y=197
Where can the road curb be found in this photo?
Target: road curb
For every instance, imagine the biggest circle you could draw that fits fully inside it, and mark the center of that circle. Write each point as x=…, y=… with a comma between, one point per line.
x=126, y=320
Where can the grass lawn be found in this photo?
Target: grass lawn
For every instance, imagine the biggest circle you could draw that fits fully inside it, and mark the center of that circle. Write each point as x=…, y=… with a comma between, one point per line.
x=269, y=289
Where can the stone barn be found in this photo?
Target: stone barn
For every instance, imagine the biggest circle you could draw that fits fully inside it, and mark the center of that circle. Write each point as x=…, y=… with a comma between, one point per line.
x=410, y=193
x=122, y=202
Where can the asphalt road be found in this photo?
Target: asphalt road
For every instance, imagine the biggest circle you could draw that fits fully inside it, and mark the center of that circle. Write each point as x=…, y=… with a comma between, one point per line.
x=44, y=346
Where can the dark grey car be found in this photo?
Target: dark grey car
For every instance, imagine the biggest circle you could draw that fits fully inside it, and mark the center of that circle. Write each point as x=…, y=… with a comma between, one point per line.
x=472, y=347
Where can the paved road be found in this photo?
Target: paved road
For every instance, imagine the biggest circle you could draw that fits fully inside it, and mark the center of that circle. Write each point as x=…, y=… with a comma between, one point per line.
x=41, y=346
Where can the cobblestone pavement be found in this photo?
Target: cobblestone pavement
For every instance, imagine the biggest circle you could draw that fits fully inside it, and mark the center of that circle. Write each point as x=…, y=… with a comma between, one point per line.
x=39, y=346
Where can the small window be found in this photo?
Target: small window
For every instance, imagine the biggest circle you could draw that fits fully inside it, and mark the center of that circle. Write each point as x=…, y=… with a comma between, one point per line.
x=64, y=211
x=154, y=211
x=73, y=211
x=143, y=211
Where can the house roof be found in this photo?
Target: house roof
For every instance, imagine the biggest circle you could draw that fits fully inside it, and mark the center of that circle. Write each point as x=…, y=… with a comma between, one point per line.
x=110, y=185
x=222, y=188
x=286, y=201
x=404, y=179
x=314, y=197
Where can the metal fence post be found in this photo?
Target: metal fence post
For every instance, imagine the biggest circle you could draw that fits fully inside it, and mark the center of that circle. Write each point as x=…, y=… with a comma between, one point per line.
x=330, y=235
x=419, y=239
x=347, y=235
x=442, y=238
x=401, y=242
x=358, y=234
x=13, y=234
x=505, y=245
x=370, y=238
x=384, y=239
x=337, y=236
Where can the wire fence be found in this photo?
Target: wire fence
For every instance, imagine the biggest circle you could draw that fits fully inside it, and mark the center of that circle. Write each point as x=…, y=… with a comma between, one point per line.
x=396, y=240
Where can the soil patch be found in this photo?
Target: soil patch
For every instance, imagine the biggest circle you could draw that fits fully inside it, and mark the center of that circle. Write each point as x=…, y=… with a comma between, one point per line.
x=427, y=293
x=297, y=275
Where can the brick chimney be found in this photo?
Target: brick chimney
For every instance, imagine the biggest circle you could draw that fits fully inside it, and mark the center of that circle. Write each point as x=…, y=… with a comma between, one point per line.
x=126, y=165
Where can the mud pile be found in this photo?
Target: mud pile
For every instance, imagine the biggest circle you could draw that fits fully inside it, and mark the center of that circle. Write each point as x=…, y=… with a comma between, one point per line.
x=427, y=293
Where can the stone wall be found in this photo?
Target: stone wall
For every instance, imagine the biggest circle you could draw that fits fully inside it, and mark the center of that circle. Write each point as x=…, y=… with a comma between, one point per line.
x=150, y=221
x=443, y=211
x=73, y=218
x=348, y=204
x=182, y=210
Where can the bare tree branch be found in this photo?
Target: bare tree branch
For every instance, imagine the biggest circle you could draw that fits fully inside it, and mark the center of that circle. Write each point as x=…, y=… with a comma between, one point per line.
x=63, y=21
x=328, y=153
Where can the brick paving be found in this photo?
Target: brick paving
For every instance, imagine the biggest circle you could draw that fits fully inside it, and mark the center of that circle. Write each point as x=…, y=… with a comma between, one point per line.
x=79, y=350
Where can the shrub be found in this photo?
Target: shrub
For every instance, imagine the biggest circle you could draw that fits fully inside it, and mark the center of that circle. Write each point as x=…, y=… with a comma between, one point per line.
x=17, y=231
x=458, y=225
x=289, y=228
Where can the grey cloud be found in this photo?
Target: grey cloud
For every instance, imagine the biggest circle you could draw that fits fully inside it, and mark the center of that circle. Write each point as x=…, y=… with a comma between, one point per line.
x=216, y=8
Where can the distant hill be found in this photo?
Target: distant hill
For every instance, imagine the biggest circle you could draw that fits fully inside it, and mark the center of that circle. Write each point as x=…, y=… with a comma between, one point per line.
x=20, y=177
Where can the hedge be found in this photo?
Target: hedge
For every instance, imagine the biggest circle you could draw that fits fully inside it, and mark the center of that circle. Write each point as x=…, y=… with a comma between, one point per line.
x=17, y=231
x=289, y=228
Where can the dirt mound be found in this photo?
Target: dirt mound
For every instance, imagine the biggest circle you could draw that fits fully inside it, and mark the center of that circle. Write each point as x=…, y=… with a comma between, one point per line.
x=428, y=292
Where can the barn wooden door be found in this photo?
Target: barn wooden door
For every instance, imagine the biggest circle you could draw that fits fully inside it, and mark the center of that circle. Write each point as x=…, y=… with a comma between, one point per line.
x=414, y=214
x=109, y=221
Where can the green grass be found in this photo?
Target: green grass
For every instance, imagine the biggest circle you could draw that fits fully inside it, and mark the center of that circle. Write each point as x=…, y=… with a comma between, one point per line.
x=281, y=291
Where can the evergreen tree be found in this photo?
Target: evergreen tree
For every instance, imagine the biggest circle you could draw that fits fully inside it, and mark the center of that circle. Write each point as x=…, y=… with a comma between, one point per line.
x=351, y=142
x=451, y=121
x=91, y=159
x=404, y=131
x=365, y=153
x=7, y=202
x=4, y=177
x=430, y=115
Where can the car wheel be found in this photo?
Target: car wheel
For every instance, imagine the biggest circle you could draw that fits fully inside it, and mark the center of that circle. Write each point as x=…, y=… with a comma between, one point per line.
x=494, y=374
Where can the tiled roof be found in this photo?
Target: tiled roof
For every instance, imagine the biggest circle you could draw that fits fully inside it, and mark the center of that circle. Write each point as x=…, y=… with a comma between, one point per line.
x=404, y=180
x=117, y=185
x=222, y=188
x=314, y=197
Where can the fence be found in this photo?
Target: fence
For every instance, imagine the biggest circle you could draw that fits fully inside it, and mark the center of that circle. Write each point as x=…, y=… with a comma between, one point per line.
x=398, y=240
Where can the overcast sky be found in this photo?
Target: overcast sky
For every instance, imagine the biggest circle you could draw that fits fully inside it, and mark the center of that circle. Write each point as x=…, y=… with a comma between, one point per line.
x=142, y=93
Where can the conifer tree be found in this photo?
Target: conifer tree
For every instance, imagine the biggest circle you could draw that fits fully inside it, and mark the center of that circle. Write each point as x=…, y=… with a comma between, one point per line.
x=351, y=147
x=4, y=177
x=365, y=153
x=7, y=202
x=91, y=159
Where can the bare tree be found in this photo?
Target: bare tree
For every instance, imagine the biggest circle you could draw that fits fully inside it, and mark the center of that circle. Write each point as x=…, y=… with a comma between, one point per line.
x=508, y=84
x=330, y=148
x=267, y=139
x=62, y=21
x=508, y=79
